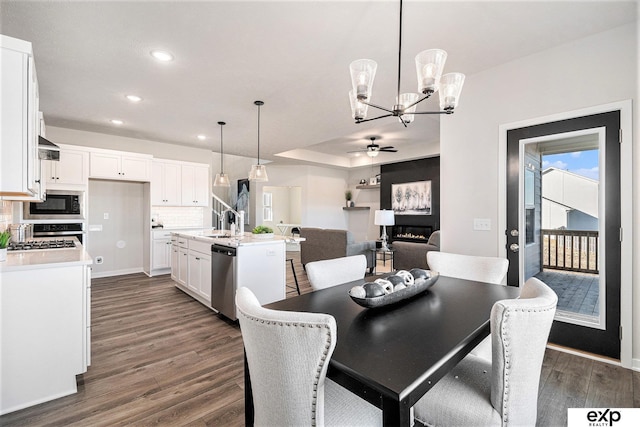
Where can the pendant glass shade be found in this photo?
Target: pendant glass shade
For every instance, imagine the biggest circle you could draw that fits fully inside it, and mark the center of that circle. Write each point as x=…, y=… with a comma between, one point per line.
x=373, y=153
x=363, y=71
x=358, y=109
x=221, y=180
x=405, y=100
x=429, y=66
x=258, y=173
x=450, y=88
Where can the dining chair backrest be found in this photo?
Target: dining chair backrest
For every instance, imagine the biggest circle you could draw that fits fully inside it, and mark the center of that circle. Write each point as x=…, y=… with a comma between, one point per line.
x=332, y=272
x=468, y=267
x=288, y=354
x=520, y=329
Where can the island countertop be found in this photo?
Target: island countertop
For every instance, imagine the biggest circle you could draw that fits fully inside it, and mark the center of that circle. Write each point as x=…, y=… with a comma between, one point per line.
x=246, y=239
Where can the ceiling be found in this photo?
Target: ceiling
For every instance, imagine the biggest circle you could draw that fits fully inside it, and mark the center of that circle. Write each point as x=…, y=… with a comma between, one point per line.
x=293, y=55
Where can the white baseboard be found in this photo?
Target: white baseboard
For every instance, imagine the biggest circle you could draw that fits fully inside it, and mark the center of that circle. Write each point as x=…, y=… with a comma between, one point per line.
x=95, y=275
x=635, y=364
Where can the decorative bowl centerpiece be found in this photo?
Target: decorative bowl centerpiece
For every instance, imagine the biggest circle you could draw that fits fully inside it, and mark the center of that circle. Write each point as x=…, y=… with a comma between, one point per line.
x=262, y=232
x=393, y=288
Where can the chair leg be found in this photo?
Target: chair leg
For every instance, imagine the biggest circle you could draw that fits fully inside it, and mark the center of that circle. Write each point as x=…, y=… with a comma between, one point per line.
x=293, y=270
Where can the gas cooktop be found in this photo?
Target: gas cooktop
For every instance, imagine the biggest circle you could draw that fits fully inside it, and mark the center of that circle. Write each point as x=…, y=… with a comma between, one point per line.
x=42, y=244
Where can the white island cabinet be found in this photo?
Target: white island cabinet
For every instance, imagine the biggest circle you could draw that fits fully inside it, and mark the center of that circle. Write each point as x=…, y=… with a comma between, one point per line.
x=45, y=324
x=258, y=264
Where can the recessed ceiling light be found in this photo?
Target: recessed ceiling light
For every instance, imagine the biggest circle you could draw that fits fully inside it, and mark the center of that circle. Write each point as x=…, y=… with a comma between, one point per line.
x=117, y=122
x=162, y=55
x=134, y=98
x=202, y=137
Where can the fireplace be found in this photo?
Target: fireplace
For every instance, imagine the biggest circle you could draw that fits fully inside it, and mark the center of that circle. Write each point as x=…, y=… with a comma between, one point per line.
x=411, y=233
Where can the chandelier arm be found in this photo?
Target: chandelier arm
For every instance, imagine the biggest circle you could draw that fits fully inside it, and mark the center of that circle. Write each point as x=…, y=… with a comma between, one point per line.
x=434, y=112
x=375, y=118
x=417, y=102
x=377, y=106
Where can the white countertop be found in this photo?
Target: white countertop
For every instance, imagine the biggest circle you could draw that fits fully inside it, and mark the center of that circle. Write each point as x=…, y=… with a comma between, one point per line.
x=245, y=240
x=50, y=258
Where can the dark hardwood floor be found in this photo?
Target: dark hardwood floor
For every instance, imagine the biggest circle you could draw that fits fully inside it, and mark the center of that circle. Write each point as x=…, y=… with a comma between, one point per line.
x=161, y=358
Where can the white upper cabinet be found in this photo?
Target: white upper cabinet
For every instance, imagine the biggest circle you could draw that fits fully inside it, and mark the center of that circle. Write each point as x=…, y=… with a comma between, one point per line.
x=19, y=122
x=165, y=183
x=195, y=185
x=71, y=172
x=119, y=165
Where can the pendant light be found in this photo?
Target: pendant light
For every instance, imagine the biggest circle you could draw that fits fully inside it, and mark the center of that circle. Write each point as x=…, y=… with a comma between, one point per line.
x=258, y=172
x=222, y=179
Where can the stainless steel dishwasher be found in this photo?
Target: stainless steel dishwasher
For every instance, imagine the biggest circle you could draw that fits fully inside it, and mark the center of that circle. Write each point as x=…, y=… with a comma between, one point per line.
x=223, y=281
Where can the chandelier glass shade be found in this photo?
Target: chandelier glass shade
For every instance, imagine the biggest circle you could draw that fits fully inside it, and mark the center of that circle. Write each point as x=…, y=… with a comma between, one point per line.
x=258, y=172
x=221, y=179
x=429, y=67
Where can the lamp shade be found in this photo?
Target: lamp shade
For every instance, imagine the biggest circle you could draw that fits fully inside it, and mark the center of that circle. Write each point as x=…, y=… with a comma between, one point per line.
x=221, y=180
x=384, y=217
x=429, y=66
x=407, y=99
x=358, y=109
x=450, y=88
x=363, y=71
x=258, y=173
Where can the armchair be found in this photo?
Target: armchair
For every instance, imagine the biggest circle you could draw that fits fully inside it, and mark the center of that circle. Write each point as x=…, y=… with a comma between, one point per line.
x=325, y=243
x=410, y=255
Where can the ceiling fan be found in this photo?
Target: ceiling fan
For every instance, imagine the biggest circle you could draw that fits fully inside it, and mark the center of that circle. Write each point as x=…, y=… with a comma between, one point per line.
x=374, y=149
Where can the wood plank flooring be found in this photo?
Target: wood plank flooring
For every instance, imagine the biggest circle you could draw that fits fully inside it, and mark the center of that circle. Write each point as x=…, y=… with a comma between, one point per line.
x=161, y=358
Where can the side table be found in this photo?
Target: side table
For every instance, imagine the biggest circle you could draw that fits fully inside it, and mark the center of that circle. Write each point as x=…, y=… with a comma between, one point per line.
x=385, y=255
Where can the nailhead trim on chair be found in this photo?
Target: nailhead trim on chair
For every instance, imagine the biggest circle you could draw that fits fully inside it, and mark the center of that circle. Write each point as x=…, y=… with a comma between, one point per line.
x=321, y=362
x=507, y=364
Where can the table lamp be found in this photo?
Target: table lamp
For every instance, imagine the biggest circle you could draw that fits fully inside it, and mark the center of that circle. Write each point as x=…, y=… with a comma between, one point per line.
x=384, y=217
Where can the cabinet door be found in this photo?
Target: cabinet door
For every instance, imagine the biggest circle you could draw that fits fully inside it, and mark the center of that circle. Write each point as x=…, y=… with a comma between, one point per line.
x=161, y=254
x=175, y=257
x=188, y=189
x=172, y=184
x=183, y=266
x=194, y=271
x=70, y=170
x=205, y=277
x=157, y=184
x=201, y=186
x=135, y=168
x=105, y=165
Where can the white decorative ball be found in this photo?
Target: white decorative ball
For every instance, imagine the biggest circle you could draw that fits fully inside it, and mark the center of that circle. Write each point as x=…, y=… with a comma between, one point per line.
x=406, y=277
x=358, y=292
x=386, y=285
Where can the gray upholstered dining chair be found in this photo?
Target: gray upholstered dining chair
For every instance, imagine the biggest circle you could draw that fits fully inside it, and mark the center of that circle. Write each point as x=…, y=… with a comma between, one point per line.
x=504, y=392
x=288, y=354
x=481, y=269
x=332, y=272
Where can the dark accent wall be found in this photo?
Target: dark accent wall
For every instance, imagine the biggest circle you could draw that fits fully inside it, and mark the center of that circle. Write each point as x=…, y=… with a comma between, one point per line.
x=413, y=170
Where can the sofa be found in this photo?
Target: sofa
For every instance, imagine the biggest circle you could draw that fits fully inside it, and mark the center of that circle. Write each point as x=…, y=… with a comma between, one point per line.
x=410, y=255
x=326, y=243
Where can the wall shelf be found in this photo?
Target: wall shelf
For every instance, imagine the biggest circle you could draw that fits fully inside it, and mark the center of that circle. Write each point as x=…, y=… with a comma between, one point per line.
x=367, y=186
x=356, y=208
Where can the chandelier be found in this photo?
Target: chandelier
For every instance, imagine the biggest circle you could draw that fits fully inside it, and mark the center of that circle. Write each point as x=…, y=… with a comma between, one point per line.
x=222, y=179
x=429, y=66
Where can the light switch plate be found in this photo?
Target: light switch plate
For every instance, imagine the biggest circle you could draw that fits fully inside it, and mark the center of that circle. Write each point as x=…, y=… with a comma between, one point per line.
x=482, y=224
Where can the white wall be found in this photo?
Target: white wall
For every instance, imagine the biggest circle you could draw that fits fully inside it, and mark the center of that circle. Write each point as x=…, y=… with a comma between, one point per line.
x=588, y=72
x=361, y=222
x=120, y=242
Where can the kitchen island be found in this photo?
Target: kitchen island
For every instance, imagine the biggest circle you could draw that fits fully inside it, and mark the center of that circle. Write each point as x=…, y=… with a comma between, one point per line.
x=209, y=266
x=45, y=305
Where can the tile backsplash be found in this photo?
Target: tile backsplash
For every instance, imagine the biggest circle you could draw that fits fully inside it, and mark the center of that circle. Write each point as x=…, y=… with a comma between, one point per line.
x=178, y=217
x=6, y=214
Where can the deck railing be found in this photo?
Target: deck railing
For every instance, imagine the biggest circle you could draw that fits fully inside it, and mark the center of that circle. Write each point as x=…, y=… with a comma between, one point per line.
x=572, y=250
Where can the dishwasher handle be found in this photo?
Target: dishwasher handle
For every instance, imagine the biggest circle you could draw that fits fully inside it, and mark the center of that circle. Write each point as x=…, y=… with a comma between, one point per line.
x=224, y=250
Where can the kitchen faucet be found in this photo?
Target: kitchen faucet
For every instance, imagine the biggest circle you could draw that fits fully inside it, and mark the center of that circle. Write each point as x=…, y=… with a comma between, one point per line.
x=239, y=220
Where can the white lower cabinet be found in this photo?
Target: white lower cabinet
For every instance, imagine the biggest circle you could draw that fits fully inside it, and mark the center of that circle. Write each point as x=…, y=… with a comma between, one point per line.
x=191, y=267
x=45, y=327
x=160, y=252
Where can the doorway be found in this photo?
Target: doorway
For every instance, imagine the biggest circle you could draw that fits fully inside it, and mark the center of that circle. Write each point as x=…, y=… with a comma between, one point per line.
x=535, y=251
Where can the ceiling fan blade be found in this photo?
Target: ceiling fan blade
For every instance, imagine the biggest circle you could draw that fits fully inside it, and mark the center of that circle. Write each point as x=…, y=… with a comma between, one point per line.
x=388, y=151
x=387, y=147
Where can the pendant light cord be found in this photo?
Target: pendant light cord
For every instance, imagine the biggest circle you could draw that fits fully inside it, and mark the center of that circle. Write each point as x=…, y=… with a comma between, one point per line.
x=258, y=134
x=221, y=152
x=399, y=52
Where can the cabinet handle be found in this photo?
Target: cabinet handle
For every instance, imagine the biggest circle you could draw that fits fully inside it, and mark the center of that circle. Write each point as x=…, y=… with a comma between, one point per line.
x=197, y=259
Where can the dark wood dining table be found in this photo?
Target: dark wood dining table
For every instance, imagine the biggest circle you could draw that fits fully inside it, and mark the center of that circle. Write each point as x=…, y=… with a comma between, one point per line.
x=391, y=356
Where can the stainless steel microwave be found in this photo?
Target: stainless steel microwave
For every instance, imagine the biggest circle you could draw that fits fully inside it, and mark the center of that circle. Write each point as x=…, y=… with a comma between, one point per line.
x=59, y=204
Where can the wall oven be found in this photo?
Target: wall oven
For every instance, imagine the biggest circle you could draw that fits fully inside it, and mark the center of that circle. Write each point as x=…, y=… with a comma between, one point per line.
x=59, y=231
x=59, y=204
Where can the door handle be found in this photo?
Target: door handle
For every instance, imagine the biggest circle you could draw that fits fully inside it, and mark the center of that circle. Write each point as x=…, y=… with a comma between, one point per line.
x=514, y=247
x=514, y=233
